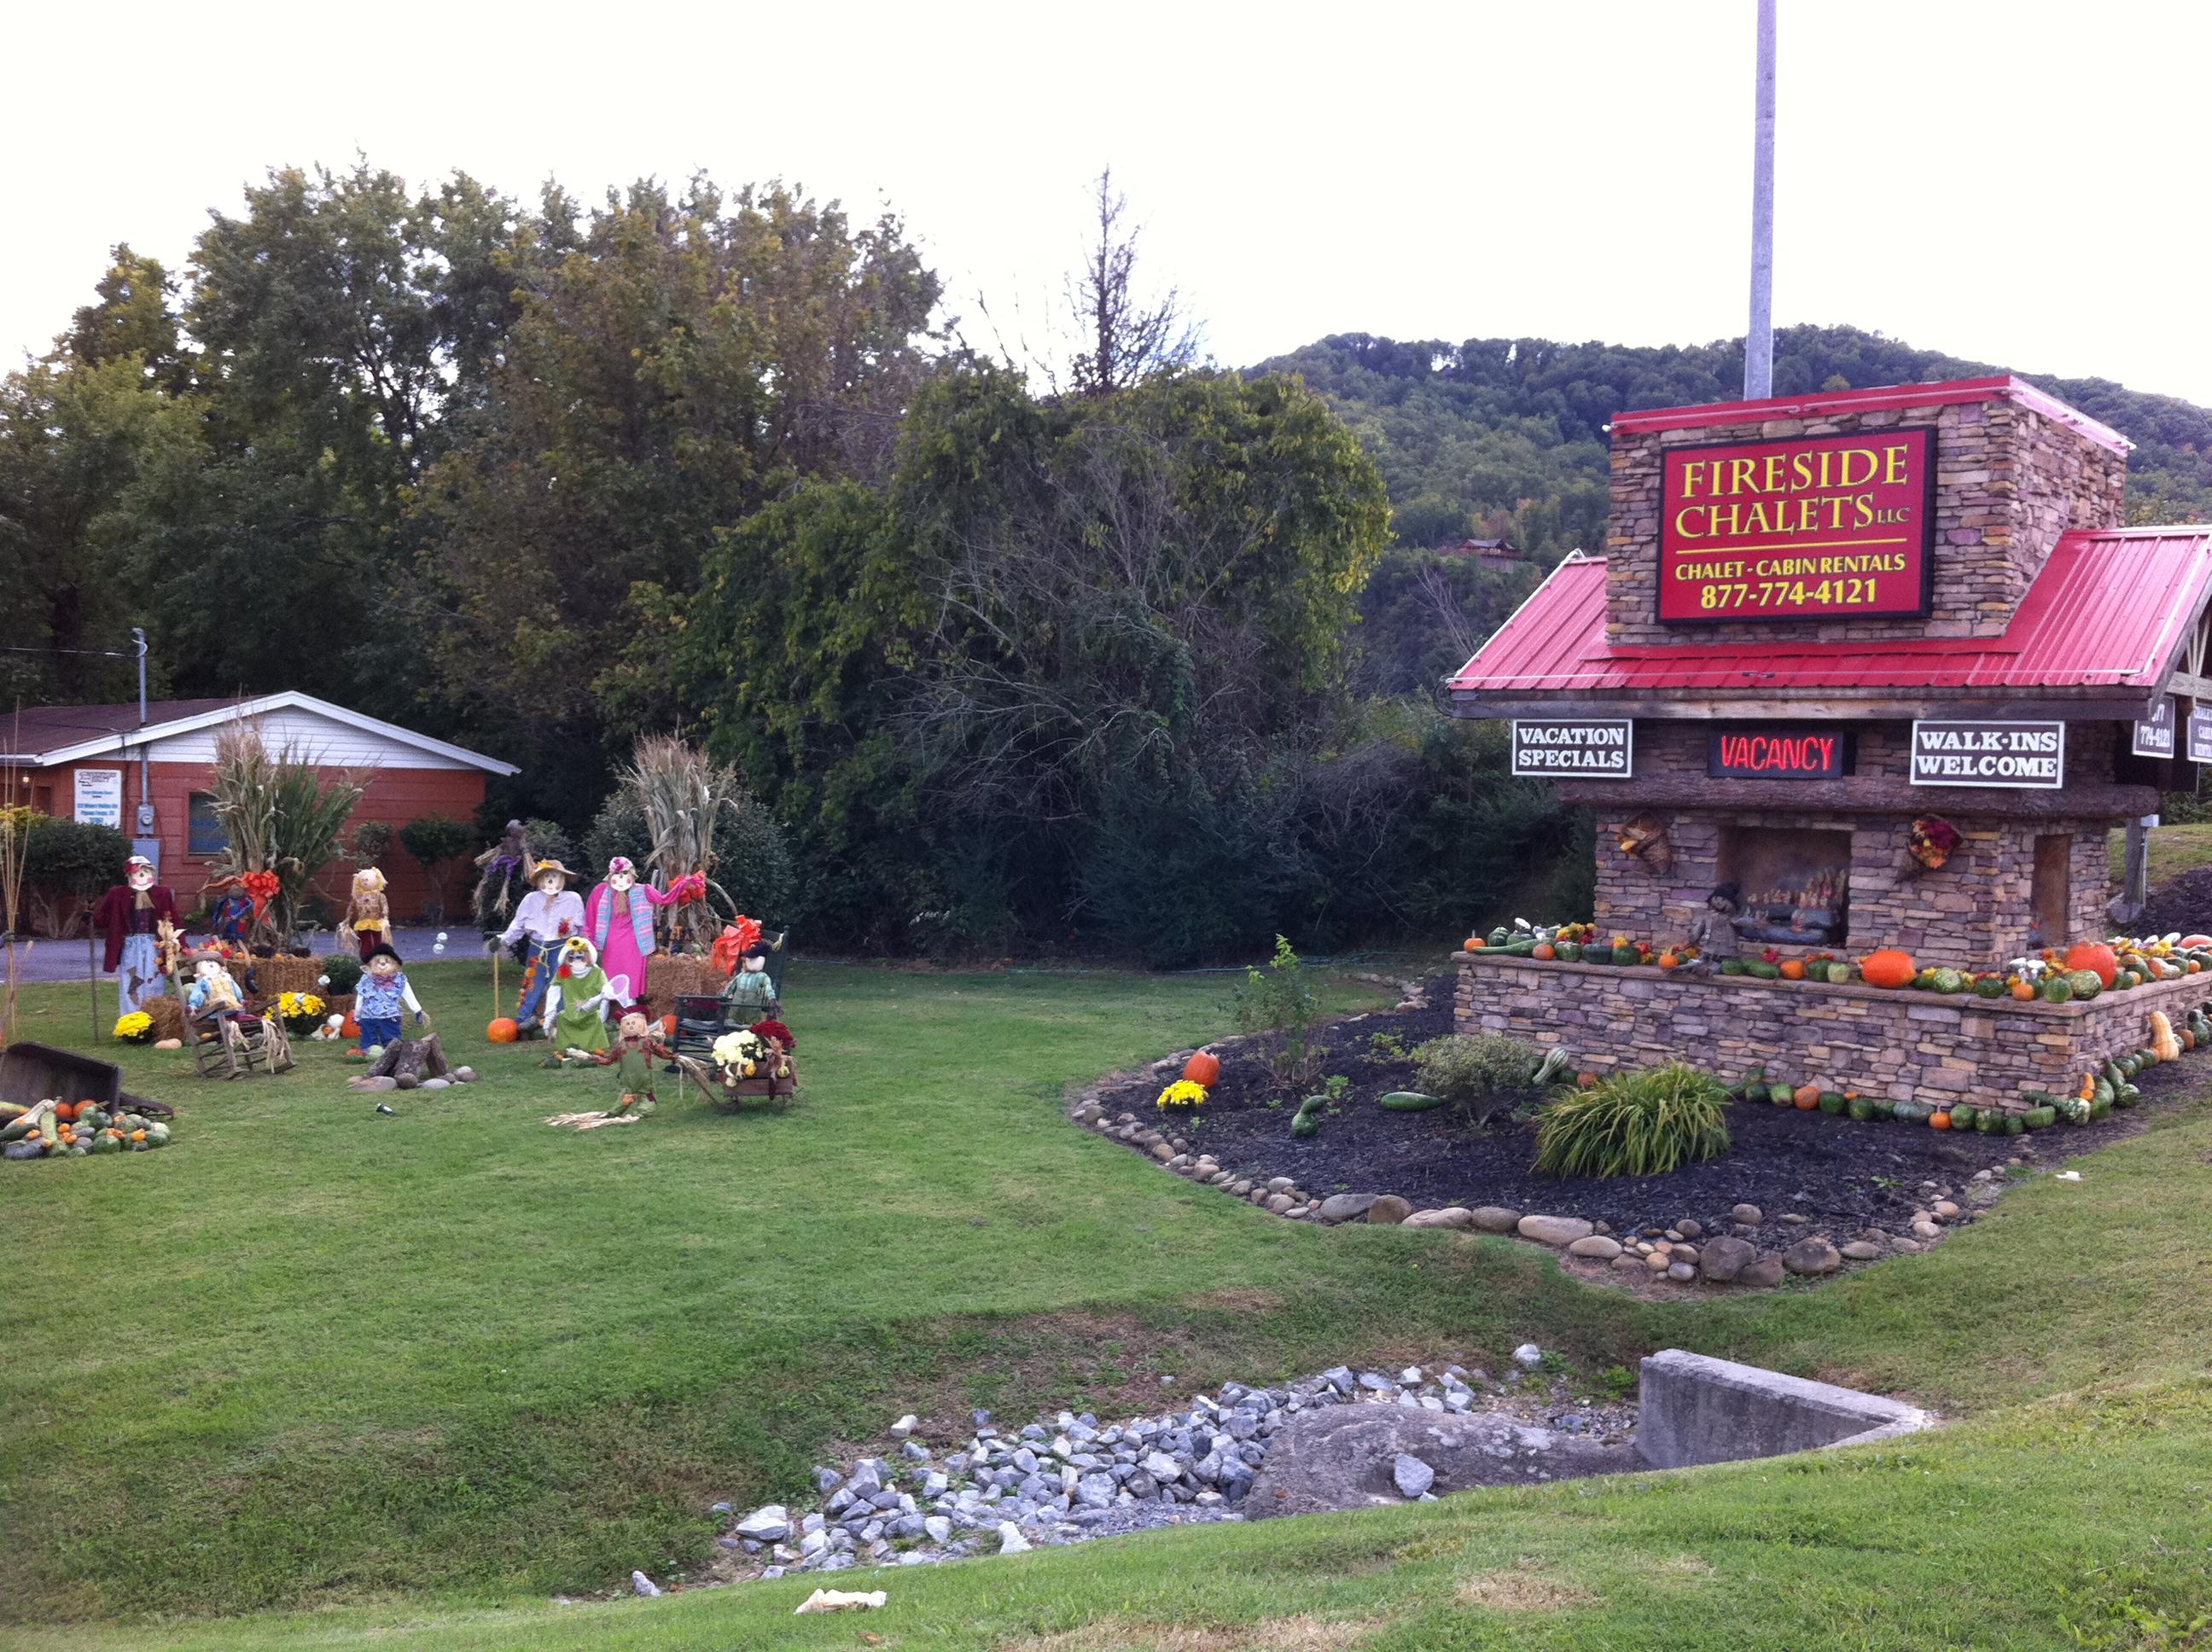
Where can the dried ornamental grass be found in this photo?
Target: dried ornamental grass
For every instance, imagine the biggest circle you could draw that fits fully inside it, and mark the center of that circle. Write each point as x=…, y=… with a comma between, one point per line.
x=1636, y=1124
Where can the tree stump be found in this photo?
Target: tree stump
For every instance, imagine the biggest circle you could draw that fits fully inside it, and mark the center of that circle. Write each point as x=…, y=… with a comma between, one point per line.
x=408, y=1061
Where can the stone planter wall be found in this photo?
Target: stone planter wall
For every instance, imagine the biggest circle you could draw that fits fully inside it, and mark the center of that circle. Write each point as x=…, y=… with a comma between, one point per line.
x=1901, y=1045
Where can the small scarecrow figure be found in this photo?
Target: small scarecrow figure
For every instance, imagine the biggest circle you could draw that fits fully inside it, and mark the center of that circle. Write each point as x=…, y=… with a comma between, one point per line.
x=1712, y=932
x=634, y=1053
x=576, y=998
x=504, y=865
x=368, y=914
x=547, y=917
x=130, y=915
x=750, y=990
x=381, y=996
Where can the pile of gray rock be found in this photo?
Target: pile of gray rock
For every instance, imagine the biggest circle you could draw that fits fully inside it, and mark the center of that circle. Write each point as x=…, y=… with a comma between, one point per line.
x=1071, y=1477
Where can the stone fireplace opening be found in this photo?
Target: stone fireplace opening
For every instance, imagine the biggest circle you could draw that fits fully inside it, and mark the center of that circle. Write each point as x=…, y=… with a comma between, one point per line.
x=1794, y=882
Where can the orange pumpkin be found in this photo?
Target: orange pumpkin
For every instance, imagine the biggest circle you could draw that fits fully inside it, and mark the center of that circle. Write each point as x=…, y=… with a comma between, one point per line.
x=668, y=1026
x=2024, y=991
x=1793, y=969
x=1807, y=1096
x=1544, y=949
x=64, y=1112
x=1890, y=966
x=502, y=1031
x=1203, y=1068
x=1669, y=961
x=1939, y=1121
x=1475, y=943
x=352, y=1029
x=2096, y=958
x=1585, y=1081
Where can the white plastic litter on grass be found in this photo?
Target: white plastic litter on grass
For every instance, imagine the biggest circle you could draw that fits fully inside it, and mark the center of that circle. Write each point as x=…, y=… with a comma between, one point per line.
x=2069, y=1175
x=841, y=1600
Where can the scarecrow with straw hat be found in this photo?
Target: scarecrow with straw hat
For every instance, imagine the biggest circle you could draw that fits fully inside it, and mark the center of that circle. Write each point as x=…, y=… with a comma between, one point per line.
x=544, y=919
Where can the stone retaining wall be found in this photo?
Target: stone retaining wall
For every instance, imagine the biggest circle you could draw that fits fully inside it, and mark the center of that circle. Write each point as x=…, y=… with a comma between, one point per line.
x=1901, y=1045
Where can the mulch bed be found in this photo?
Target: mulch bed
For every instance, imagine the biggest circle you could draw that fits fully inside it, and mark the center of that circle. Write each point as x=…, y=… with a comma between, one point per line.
x=2184, y=903
x=1843, y=1176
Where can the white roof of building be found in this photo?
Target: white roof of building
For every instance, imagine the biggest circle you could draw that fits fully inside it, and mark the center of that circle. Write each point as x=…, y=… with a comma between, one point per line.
x=185, y=731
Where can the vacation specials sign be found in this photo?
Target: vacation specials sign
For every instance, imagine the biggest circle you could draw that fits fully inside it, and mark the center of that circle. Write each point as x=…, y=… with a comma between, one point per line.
x=1593, y=750
x=1804, y=527
x=1778, y=751
x=1953, y=752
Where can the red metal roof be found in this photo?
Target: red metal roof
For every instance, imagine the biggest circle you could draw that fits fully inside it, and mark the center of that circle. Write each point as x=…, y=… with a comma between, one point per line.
x=2108, y=608
x=1873, y=399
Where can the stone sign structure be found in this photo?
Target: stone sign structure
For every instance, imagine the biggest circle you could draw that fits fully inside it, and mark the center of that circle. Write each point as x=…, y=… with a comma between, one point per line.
x=1803, y=728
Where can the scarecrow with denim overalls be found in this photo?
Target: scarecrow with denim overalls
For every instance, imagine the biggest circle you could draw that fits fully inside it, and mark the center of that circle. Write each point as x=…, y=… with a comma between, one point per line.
x=546, y=917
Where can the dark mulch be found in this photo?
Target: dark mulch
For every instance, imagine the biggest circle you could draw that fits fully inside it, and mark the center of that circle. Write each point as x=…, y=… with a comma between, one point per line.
x=2184, y=903
x=1843, y=1175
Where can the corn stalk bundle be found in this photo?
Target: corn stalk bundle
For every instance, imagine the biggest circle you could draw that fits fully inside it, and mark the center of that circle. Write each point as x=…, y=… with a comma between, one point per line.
x=684, y=796
x=282, y=818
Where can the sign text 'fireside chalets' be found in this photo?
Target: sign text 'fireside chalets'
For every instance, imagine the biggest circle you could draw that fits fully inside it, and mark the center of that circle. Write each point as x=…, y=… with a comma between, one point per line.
x=1811, y=527
x=1600, y=750
x=1955, y=752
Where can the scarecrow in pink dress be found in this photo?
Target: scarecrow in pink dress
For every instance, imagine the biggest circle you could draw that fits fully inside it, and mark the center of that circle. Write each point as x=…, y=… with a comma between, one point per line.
x=618, y=919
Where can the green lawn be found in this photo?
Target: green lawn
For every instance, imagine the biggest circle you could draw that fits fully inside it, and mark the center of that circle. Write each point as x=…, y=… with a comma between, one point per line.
x=394, y=1381
x=2173, y=851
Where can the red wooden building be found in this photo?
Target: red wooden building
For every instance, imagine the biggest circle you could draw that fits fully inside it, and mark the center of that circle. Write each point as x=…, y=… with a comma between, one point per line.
x=100, y=764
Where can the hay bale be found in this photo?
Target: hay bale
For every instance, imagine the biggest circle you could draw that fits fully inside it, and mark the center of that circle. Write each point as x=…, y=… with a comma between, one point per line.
x=166, y=1015
x=671, y=976
x=275, y=975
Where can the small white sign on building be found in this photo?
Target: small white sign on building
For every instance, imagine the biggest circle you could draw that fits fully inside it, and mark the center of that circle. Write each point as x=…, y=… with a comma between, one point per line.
x=100, y=797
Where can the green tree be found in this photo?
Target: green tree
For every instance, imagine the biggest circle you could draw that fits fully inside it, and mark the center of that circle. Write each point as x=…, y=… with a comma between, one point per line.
x=687, y=358
x=436, y=842
x=97, y=467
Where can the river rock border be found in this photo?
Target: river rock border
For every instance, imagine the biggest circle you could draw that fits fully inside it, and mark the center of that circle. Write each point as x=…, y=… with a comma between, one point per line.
x=1683, y=1254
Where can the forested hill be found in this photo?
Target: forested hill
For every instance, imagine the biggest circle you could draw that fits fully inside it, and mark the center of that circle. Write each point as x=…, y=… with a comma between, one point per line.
x=1506, y=435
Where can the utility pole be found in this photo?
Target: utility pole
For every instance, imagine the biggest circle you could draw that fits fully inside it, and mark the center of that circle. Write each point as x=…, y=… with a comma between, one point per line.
x=143, y=821
x=1758, y=342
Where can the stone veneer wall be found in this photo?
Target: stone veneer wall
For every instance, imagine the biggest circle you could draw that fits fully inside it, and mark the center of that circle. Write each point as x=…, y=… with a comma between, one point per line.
x=1974, y=913
x=2008, y=482
x=1903, y=1046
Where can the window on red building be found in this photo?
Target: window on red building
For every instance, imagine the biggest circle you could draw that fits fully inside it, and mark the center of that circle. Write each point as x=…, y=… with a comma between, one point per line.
x=207, y=836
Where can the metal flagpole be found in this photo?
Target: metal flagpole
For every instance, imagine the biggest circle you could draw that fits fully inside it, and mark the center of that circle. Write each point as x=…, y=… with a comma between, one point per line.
x=1758, y=342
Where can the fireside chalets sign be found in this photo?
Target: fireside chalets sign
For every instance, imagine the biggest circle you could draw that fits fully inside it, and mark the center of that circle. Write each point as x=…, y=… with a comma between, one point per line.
x=1778, y=752
x=1578, y=748
x=1806, y=527
x=1955, y=752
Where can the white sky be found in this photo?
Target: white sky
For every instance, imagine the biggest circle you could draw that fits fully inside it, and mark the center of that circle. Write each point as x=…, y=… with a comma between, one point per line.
x=2012, y=182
